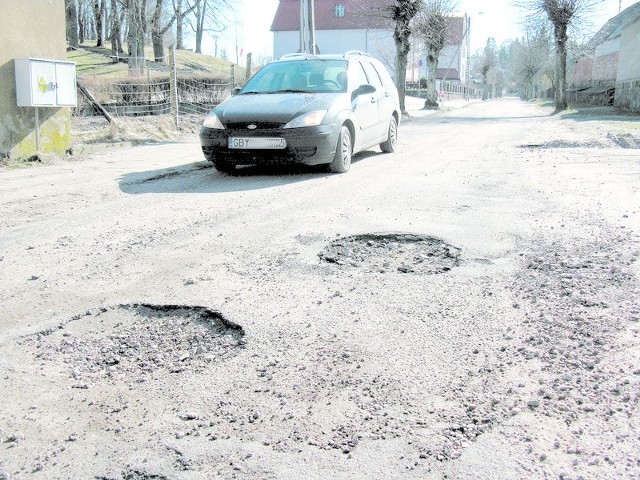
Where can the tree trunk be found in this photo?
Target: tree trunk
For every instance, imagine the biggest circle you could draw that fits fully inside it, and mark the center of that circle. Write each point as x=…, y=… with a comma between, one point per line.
x=560, y=33
x=98, y=8
x=200, y=16
x=158, y=46
x=157, y=33
x=402, y=50
x=432, y=67
x=136, y=36
x=116, y=34
x=122, y=19
x=72, y=23
x=401, y=37
x=179, y=33
x=81, y=25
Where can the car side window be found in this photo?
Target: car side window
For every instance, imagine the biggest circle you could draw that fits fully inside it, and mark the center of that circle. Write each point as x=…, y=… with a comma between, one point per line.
x=374, y=77
x=357, y=77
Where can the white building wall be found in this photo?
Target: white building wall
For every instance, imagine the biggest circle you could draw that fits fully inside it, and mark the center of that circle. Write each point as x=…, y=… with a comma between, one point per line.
x=285, y=42
x=328, y=41
x=608, y=47
x=377, y=43
x=628, y=59
x=450, y=58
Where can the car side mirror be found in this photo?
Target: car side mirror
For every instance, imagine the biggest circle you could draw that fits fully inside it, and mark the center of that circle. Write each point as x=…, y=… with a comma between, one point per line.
x=235, y=90
x=364, y=90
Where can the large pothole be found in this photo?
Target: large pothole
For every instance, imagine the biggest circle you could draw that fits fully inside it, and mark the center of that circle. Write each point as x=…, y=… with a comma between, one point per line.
x=136, y=341
x=404, y=253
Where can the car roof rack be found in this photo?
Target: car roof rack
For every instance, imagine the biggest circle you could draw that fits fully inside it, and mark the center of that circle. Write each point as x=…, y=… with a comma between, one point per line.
x=296, y=55
x=357, y=52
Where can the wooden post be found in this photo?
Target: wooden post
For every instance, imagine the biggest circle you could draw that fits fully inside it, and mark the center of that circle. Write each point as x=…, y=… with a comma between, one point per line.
x=174, y=77
x=248, y=73
x=97, y=105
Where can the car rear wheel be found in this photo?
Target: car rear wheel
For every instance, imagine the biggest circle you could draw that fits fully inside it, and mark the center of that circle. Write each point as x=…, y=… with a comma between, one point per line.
x=342, y=159
x=390, y=145
x=223, y=166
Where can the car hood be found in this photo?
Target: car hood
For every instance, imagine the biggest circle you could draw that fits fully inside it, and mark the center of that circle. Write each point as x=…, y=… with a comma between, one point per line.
x=273, y=107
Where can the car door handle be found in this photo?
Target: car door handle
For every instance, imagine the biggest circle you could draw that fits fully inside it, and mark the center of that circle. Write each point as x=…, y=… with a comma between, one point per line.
x=386, y=94
x=373, y=99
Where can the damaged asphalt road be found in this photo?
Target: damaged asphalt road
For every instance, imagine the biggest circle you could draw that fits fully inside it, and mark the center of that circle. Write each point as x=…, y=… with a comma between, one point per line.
x=467, y=307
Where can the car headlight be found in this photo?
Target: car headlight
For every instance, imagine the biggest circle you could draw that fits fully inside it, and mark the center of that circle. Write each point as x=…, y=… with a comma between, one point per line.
x=311, y=119
x=212, y=121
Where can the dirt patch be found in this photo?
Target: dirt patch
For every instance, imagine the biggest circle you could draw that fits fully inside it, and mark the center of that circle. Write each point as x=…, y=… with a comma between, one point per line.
x=135, y=341
x=404, y=253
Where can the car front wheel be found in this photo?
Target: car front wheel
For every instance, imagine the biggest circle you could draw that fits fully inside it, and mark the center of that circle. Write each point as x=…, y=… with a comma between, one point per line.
x=342, y=159
x=390, y=145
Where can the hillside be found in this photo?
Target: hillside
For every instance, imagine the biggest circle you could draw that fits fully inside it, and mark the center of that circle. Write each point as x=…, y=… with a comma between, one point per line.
x=97, y=62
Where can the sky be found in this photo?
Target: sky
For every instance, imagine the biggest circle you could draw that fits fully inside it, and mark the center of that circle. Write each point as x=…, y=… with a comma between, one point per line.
x=496, y=18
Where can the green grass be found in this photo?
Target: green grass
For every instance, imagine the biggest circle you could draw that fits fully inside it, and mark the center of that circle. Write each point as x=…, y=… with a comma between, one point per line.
x=97, y=62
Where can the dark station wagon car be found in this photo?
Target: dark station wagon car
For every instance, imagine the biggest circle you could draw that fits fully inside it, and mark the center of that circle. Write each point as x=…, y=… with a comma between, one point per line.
x=309, y=109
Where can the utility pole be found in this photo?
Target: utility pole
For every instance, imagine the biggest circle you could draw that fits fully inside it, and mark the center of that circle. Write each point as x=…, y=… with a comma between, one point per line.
x=307, y=27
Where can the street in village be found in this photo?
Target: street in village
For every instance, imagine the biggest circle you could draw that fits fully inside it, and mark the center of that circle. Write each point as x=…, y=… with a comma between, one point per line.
x=467, y=307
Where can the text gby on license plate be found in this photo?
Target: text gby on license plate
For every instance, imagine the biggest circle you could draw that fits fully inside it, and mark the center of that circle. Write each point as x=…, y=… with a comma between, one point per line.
x=263, y=143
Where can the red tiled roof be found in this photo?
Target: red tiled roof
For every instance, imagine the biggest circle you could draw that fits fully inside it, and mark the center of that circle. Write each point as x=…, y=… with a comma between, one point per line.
x=358, y=15
x=451, y=73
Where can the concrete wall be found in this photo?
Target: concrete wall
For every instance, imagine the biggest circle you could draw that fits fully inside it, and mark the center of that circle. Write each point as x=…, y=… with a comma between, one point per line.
x=628, y=80
x=31, y=28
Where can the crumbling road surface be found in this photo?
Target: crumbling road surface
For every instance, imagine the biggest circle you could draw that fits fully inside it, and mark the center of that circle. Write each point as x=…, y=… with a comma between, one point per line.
x=467, y=307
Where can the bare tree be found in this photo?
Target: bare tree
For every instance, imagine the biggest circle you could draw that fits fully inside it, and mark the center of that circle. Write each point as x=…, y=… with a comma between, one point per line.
x=136, y=22
x=489, y=61
x=431, y=25
x=402, y=13
x=158, y=29
x=181, y=9
x=561, y=14
x=82, y=21
x=209, y=16
x=72, y=23
x=115, y=29
x=98, y=15
x=529, y=56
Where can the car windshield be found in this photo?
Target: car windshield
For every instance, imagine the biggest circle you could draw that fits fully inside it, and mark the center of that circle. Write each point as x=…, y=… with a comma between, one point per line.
x=312, y=75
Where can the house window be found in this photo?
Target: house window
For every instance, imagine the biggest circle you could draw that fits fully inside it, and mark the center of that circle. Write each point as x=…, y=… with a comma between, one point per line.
x=339, y=10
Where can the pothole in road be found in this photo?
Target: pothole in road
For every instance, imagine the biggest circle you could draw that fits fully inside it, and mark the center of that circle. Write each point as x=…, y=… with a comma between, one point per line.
x=135, y=341
x=626, y=141
x=404, y=253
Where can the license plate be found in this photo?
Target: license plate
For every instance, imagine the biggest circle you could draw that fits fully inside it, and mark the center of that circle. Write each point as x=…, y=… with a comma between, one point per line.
x=257, y=143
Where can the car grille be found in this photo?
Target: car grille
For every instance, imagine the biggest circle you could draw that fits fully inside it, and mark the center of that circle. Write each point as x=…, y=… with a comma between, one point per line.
x=259, y=126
